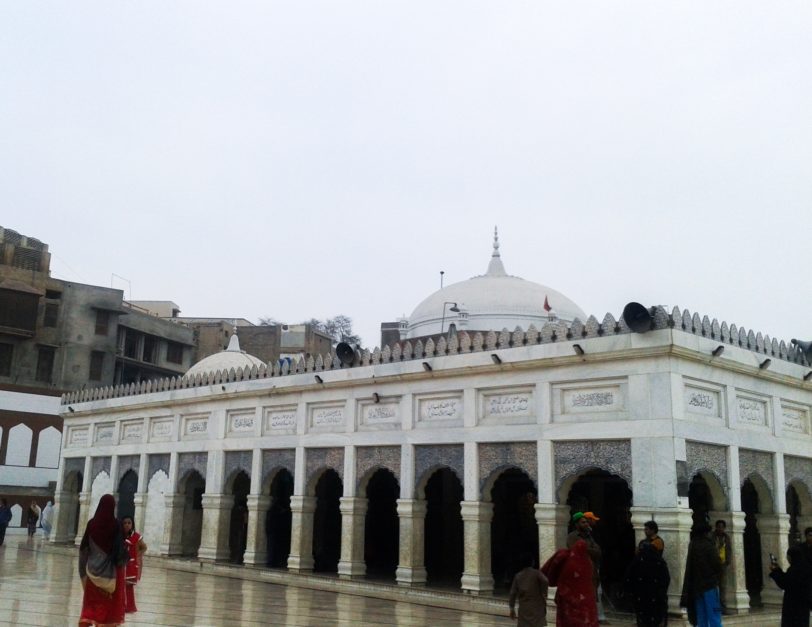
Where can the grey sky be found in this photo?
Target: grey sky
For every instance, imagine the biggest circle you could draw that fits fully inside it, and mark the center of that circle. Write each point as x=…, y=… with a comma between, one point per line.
x=306, y=159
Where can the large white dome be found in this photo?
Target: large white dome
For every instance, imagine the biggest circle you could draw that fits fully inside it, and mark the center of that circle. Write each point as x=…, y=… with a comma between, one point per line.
x=494, y=300
x=230, y=358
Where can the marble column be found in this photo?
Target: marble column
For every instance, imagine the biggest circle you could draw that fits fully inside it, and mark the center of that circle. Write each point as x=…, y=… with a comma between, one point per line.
x=140, y=503
x=737, y=600
x=552, y=522
x=300, y=559
x=172, y=541
x=216, y=522
x=84, y=516
x=774, y=530
x=411, y=569
x=256, y=551
x=476, y=520
x=353, y=520
x=65, y=505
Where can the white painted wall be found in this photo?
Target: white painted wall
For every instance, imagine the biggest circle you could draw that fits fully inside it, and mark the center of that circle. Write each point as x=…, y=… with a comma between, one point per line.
x=50, y=442
x=19, y=446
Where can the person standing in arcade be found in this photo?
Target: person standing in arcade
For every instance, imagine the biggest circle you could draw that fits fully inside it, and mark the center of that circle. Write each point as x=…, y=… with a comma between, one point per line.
x=135, y=550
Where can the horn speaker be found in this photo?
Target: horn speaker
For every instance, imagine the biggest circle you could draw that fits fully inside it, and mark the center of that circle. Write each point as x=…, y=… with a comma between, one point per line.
x=637, y=317
x=345, y=353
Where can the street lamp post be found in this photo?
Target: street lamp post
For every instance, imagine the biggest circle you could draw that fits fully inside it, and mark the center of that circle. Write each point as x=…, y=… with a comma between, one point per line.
x=453, y=308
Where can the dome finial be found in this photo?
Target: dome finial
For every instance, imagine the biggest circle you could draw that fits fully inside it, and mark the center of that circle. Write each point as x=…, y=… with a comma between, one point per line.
x=495, y=267
x=234, y=343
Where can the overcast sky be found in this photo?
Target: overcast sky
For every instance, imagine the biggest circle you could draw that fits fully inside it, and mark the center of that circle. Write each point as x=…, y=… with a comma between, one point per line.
x=306, y=159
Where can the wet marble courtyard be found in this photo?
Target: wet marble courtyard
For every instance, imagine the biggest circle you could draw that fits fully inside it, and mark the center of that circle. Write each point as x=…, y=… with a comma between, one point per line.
x=42, y=588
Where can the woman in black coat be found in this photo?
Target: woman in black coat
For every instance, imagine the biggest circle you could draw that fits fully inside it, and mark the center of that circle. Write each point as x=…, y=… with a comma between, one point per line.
x=796, y=584
x=647, y=581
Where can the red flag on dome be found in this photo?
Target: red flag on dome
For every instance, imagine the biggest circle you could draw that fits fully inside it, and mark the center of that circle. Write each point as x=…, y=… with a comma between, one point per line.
x=546, y=304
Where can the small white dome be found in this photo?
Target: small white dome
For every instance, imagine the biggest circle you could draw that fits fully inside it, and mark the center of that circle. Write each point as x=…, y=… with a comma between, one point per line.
x=494, y=300
x=230, y=358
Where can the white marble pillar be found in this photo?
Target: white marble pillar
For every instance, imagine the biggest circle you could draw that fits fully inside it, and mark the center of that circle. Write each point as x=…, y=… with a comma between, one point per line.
x=552, y=522
x=774, y=531
x=216, y=521
x=65, y=503
x=737, y=600
x=140, y=504
x=84, y=501
x=302, y=508
x=353, y=521
x=256, y=551
x=476, y=520
x=411, y=569
x=172, y=541
x=84, y=516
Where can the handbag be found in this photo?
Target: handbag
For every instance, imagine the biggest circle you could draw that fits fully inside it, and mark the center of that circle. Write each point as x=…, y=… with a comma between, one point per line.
x=101, y=568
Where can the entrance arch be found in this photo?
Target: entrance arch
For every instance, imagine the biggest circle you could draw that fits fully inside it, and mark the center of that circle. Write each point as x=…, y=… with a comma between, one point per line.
x=443, y=531
x=127, y=488
x=705, y=495
x=609, y=497
x=193, y=486
x=513, y=528
x=799, y=508
x=381, y=526
x=278, y=520
x=327, y=522
x=238, y=526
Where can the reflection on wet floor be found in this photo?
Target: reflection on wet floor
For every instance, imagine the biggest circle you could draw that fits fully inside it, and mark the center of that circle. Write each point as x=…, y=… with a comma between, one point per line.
x=42, y=588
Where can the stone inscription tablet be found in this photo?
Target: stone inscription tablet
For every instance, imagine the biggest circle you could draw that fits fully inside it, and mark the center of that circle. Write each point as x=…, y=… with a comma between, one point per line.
x=327, y=418
x=161, y=429
x=196, y=427
x=440, y=411
x=752, y=411
x=104, y=434
x=384, y=413
x=280, y=420
x=794, y=419
x=78, y=437
x=506, y=407
x=132, y=432
x=703, y=401
x=241, y=423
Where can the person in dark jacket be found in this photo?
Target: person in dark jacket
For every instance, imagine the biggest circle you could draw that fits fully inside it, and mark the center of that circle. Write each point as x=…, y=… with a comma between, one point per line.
x=530, y=588
x=796, y=584
x=647, y=581
x=5, y=519
x=700, y=587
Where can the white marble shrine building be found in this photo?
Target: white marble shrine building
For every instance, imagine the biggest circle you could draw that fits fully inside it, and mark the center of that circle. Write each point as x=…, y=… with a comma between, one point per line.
x=438, y=460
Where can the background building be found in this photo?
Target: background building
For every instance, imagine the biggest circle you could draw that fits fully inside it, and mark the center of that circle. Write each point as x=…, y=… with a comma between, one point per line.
x=56, y=336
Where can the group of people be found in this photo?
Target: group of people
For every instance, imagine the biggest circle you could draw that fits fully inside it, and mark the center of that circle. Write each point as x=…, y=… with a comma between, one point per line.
x=110, y=563
x=575, y=572
x=35, y=517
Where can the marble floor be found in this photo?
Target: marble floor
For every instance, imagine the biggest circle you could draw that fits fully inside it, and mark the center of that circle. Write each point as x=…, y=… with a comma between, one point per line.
x=42, y=588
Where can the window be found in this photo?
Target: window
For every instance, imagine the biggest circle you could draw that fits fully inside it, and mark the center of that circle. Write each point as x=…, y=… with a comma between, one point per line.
x=150, y=344
x=96, y=365
x=6, y=353
x=174, y=352
x=102, y=322
x=53, y=295
x=45, y=364
x=51, y=315
x=18, y=310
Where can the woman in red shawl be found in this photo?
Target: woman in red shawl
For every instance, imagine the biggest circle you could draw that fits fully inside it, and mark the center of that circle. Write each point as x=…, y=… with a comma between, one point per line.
x=575, y=601
x=101, y=567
